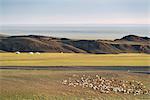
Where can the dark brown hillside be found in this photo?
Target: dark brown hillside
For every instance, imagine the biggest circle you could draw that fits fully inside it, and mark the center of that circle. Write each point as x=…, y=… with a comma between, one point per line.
x=128, y=48
x=35, y=43
x=93, y=46
x=50, y=44
x=134, y=38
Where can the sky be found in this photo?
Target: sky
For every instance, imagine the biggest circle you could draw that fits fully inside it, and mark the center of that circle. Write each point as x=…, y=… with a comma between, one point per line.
x=74, y=12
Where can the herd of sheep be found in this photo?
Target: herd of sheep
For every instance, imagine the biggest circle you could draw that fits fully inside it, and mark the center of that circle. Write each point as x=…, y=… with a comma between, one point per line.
x=104, y=85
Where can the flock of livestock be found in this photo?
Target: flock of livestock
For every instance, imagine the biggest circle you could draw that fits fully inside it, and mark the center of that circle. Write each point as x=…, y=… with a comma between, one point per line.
x=104, y=85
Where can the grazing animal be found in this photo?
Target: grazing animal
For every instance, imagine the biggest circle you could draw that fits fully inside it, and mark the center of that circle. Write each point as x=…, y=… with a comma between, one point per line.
x=103, y=85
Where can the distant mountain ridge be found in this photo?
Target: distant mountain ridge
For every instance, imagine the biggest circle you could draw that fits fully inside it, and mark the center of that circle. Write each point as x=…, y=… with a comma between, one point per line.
x=35, y=43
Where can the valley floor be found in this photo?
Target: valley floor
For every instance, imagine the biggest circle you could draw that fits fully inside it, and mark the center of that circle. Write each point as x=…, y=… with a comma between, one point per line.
x=31, y=76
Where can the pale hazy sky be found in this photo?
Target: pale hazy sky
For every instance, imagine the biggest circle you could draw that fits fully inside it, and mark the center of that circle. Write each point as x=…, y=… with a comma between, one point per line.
x=74, y=12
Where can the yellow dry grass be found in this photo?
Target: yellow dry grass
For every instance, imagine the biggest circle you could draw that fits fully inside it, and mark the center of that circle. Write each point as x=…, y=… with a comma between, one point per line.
x=74, y=59
x=46, y=85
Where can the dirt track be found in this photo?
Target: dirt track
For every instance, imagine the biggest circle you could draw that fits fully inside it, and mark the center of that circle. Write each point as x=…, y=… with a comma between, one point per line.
x=135, y=69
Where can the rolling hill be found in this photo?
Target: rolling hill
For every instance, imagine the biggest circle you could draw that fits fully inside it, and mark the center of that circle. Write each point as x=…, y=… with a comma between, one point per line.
x=34, y=43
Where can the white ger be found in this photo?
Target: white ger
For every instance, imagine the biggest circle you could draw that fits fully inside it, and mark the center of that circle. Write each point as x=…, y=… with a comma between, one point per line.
x=31, y=53
x=37, y=53
x=17, y=52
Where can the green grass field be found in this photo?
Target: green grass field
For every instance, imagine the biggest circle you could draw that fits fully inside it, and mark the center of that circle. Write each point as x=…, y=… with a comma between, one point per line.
x=72, y=59
x=46, y=85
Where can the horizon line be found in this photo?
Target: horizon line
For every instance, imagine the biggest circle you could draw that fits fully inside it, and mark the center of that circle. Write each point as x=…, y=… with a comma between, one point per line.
x=70, y=24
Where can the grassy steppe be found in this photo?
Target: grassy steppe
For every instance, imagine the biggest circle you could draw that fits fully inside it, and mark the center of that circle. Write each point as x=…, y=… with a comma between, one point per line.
x=73, y=59
x=46, y=85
